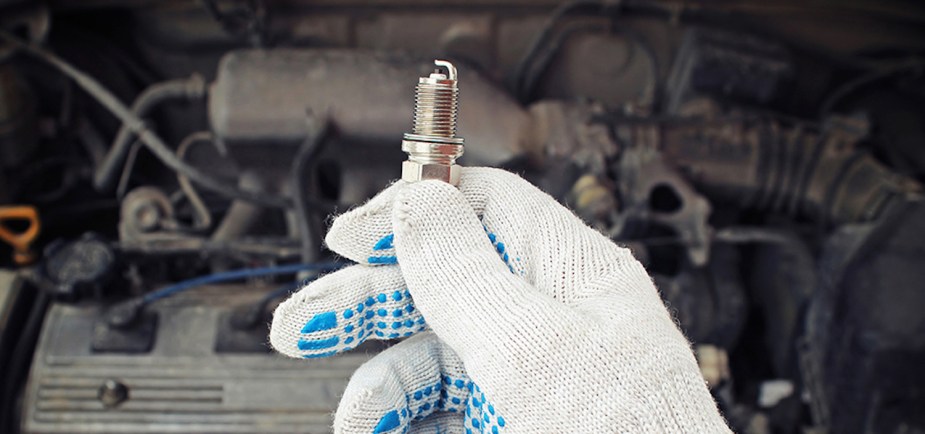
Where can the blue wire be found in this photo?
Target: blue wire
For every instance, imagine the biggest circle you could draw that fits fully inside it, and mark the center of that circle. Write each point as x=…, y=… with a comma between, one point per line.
x=243, y=273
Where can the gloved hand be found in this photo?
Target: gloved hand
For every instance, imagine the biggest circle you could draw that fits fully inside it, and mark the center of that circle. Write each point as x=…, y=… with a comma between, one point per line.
x=539, y=323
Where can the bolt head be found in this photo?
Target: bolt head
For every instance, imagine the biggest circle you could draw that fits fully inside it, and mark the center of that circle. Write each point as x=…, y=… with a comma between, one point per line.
x=112, y=393
x=412, y=171
x=147, y=216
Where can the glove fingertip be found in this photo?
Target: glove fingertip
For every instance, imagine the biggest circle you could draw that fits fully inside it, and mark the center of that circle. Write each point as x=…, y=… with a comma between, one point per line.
x=437, y=229
x=429, y=200
x=340, y=311
x=363, y=233
x=318, y=337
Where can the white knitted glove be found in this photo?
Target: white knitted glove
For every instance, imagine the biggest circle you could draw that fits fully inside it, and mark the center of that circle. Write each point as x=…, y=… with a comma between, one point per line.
x=544, y=325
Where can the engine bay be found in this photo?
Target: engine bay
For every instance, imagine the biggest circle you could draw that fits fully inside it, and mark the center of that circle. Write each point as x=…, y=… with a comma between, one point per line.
x=168, y=171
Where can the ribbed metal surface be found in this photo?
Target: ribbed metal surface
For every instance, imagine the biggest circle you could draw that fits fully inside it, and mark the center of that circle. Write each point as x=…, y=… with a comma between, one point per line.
x=435, y=109
x=182, y=385
x=176, y=397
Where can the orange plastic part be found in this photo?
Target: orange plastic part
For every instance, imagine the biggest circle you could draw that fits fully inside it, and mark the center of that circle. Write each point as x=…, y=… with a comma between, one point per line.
x=20, y=240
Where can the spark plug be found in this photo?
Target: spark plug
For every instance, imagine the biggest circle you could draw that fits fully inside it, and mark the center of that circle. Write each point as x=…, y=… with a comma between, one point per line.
x=432, y=146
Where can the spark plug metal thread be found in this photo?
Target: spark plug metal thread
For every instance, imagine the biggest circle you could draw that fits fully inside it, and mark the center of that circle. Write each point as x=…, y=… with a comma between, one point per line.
x=432, y=146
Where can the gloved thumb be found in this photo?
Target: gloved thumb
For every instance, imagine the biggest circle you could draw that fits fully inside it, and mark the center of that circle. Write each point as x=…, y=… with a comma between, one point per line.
x=466, y=292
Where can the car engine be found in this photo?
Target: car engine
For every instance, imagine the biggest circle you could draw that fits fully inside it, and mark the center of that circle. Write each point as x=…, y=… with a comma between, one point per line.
x=168, y=171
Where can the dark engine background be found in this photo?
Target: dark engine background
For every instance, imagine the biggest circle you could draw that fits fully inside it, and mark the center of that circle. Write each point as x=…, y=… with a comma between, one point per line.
x=764, y=160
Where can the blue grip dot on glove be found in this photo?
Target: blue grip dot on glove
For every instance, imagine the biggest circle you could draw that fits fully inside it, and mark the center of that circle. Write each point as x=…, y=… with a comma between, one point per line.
x=404, y=320
x=453, y=395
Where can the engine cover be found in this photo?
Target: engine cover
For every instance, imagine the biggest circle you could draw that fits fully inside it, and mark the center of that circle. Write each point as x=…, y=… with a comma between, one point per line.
x=187, y=383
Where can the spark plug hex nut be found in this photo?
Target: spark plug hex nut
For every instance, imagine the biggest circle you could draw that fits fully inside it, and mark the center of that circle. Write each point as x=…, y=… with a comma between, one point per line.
x=428, y=160
x=412, y=171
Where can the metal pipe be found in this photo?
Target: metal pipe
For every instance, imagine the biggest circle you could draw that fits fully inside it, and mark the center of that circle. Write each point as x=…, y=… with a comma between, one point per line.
x=202, y=218
x=261, y=97
x=242, y=214
x=310, y=232
x=190, y=89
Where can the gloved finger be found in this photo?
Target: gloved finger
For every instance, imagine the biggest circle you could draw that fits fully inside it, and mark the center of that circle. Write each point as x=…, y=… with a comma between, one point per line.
x=461, y=285
x=481, y=415
x=364, y=234
x=407, y=382
x=526, y=227
x=340, y=311
x=537, y=237
x=439, y=423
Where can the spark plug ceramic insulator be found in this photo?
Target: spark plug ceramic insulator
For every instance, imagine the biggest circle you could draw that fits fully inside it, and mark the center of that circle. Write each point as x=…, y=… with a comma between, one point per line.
x=432, y=146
